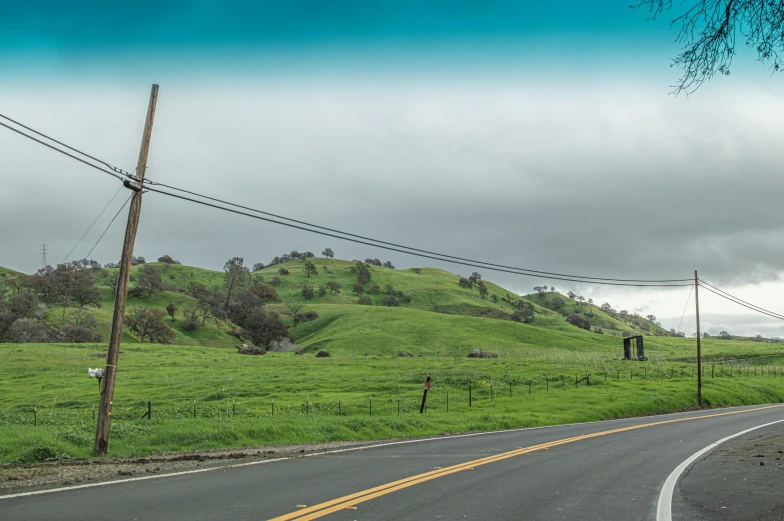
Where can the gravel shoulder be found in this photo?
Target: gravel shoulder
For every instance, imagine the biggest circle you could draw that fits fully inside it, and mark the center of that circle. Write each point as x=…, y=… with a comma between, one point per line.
x=743, y=479
x=29, y=478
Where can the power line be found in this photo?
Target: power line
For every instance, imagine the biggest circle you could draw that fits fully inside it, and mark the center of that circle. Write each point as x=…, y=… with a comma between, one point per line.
x=381, y=244
x=475, y=264
x=116, y=169
x=691, y=288
x=739, y=302
x=525, y=270
x=113, y=174
x=93, y=224
x=110, y=224
x=739, y=299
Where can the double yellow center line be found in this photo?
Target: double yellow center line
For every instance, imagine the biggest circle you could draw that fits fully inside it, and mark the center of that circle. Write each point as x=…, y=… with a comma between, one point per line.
x=341, y=503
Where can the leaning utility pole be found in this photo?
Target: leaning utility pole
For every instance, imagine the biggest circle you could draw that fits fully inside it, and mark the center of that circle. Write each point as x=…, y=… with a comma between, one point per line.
x=699, y=356
x=101, y=443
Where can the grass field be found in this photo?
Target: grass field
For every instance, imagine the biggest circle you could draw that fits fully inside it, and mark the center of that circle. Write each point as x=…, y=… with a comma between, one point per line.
x=234, y=394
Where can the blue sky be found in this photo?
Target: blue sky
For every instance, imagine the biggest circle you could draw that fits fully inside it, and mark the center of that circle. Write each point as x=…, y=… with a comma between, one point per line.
x=344, y=33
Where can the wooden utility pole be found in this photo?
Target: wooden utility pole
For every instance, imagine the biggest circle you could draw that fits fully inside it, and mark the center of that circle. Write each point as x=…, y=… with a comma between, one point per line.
x=101, y=443
x=699, y=355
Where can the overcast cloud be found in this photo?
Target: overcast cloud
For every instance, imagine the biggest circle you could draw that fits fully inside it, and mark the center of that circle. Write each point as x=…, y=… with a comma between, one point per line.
x=617, y=182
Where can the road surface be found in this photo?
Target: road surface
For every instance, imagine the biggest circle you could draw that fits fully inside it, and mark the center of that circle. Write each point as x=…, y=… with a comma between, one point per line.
x=612, y=470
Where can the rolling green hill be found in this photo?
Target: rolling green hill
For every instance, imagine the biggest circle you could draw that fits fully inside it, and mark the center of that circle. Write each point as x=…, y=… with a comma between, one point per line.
x=443, y=318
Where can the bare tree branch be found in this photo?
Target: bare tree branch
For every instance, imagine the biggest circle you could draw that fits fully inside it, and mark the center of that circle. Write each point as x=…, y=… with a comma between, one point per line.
x=708, y=31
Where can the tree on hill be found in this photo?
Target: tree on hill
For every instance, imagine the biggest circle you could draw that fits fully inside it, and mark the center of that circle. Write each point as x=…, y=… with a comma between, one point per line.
x=579, y=321
x=524, y=314
x=724, y=335
x=482, y=290
x=307, y=292
x=283, y=271
x=358, y=288
x=149, y=281
x=265, y=292
x=708, y=30
x=557, y=303
x=328, y=253
x=652, y=318
x=541, y=290
x=293, y=309
x=466, y=283
x=389, y=265
x=552, y=288
x=706, y=335
x=475, y=277
x=196, y=289
x=258, y=267
x=494, y=298
x=390, y=288
x=262, y=327
x=310, y=269
x=580, y=299
x=322, y=290
x=166, y=259
x=334, y=286
x=147, y=324
x=135, y=261
x=571, y=294
x=236, y=277
x=171, y=309
x=83, y=290
x=623, y=315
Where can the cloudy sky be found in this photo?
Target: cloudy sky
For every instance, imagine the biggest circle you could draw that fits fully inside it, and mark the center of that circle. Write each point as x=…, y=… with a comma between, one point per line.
x=531, y=134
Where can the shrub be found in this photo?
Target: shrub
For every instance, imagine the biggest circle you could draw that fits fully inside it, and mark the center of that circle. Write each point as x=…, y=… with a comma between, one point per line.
x=283, y=345
x=147, y=324
x=246, y=349
x=404, y=354
x=390, y=301
x=525, y=314
x=307, y=292
x=265, y=292
x=480, y=353
x=79, y=334
x=323, y=354
x=283, y=271
x=306, y=316
x=466, y=283
x=167, y=260
x=27, y=330
x=365, y=300
x=579, y=321
x=275, y=281
x=322, y=290
x=417, y=270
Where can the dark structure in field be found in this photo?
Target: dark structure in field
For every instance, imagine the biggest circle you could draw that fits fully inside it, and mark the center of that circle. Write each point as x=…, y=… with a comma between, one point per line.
x=627, y=348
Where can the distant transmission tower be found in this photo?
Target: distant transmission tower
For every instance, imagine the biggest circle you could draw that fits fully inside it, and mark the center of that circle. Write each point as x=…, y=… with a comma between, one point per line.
x=43, y=256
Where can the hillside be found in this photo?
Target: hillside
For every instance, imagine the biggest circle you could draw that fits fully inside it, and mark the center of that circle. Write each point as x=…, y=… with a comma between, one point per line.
x=442, y=317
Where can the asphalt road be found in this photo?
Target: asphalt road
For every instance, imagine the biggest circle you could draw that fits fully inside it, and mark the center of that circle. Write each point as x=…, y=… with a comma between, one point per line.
x=563, y=472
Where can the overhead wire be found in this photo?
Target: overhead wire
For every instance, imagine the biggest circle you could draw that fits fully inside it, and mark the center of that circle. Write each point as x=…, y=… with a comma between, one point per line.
x=110, y=225
x=433, y=256
x=113, y=174
x=313, y=228
x=112, y=167
x=739, y=299
x=525, y=271
x=93, y=224
x=738, y=302
x=691, y=288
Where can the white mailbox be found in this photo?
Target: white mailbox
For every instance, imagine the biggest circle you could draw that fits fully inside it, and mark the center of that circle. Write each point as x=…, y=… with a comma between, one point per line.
x=95, y=373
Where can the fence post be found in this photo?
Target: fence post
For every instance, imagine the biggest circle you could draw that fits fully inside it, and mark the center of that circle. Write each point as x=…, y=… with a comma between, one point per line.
x=447, y=400
x=307, y=406
x=194, y=409
x=547, y=382
x=619, y=375
x=587, y=378
x=338, y=406
x=149, y=410
x=510, y=388
x=713, y=366
x=469, y=395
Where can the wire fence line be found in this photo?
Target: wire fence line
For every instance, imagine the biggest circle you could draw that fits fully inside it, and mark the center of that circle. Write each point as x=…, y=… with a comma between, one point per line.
x=445, y=396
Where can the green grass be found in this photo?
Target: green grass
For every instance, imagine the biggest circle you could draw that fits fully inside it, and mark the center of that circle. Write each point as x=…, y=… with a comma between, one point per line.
x=444, y=321
x=233, y=394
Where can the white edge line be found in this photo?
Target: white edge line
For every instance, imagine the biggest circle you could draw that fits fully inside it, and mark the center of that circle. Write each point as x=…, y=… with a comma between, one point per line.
x=664, y=508
x=351, y=449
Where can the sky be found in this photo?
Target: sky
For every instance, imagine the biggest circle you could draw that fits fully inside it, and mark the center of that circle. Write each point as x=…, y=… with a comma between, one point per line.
x=532, y=134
